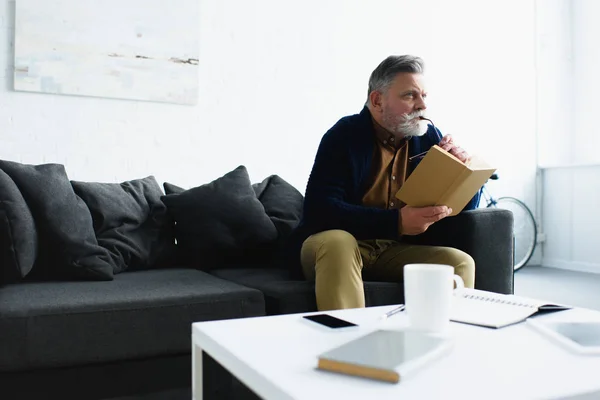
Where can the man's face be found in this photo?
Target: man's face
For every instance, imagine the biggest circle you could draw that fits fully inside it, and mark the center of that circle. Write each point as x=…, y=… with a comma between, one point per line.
x=402, y=105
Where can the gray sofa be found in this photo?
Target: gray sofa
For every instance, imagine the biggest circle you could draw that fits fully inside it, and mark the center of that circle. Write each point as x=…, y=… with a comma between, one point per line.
x=83, y=339
x=485, y=234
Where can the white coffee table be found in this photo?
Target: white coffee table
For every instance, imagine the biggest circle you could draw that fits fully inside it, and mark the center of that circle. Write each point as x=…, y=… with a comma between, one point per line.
x=276, y=357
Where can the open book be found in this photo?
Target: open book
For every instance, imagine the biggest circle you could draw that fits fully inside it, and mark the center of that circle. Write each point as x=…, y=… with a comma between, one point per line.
x=493, y=310
x=441, y=179
x=385, y=355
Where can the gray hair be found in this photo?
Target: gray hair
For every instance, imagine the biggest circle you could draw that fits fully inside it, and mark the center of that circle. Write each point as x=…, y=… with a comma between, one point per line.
x=382, y=77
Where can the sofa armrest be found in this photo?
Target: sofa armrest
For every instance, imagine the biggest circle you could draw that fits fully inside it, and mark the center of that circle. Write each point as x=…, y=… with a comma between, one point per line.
x=487, y=235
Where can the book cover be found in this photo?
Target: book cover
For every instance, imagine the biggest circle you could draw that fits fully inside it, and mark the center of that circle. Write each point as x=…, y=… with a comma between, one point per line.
x=441, y=179
x=385, y=355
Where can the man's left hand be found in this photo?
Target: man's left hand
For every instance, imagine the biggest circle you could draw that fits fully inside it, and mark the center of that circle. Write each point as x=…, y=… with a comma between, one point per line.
x=447, y=143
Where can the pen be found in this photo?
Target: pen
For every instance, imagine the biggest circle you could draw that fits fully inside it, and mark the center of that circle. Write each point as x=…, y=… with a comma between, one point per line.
x=394, y=311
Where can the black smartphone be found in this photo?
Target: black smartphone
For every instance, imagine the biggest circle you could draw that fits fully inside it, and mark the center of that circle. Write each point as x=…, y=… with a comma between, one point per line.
x=329, y=321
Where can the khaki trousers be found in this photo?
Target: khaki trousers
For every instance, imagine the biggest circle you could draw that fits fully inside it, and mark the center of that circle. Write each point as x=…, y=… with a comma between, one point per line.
x=338, y=263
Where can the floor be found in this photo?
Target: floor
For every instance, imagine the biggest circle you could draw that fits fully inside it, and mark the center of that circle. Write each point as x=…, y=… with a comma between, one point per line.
x=570, y=287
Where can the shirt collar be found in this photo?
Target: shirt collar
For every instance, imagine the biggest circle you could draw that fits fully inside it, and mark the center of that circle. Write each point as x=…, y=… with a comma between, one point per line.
x=386, y=137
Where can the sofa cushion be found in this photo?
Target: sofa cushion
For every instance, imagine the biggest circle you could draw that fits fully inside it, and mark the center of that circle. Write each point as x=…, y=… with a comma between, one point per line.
x=130, y=221
x=68, y=246
x=172, y=189
x=139, y=314
x=220, y=221
x=18, y=236
x=285, y=296
x=282, y=203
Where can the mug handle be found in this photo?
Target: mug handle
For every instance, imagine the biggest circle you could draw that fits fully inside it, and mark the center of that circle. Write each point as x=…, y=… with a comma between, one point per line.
x=460, y=284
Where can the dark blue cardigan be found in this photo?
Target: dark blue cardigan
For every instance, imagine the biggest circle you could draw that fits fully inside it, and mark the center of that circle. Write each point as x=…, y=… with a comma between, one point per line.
x=339, y=180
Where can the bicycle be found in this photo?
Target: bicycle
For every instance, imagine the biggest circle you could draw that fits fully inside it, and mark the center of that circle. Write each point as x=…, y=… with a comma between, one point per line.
x=524, y=228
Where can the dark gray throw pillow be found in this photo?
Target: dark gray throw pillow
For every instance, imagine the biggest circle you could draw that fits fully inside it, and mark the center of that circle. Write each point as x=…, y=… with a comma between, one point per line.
x=283, y=203
x=172, y=189
x=18, y=236
x=68, y=246
x=220, y=222
x=131, y=222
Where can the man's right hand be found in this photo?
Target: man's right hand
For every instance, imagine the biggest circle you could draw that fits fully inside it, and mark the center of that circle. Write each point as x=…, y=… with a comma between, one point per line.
x=418, y=220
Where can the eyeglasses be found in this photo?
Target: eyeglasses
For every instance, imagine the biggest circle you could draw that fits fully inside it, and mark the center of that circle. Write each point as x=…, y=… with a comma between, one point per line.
x=423, y=154
x=420, y=155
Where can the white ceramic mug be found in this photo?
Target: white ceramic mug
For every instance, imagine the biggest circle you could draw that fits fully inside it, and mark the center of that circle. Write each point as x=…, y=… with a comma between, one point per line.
x=428, y=290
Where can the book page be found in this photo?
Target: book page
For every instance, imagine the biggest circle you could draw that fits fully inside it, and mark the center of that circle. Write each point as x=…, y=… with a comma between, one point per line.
x=476, y=162
x=435, y=146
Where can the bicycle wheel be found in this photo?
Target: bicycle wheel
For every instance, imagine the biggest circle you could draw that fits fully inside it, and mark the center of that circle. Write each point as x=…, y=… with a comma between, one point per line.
x=524, y=229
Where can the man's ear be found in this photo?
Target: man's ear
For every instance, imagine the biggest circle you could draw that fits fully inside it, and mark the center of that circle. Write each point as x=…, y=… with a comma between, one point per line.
x=376, y=100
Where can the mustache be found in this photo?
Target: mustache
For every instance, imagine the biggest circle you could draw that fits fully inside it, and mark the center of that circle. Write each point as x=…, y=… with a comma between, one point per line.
x=420, y=114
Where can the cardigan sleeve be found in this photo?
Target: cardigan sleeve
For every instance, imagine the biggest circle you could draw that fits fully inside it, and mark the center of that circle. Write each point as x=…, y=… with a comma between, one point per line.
x=333, y=180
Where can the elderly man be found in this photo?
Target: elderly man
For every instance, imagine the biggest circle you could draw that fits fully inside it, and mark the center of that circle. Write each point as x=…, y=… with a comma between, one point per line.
x=352, y=225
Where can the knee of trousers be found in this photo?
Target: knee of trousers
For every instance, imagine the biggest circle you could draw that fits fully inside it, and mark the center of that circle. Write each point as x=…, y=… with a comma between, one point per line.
x=338, y=250
x=458, y=258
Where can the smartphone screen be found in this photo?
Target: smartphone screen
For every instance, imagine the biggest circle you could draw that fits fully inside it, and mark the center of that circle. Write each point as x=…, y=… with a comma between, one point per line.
x=329, y=321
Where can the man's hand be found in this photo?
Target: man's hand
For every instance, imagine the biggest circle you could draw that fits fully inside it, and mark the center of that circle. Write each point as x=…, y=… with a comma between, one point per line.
x=418, y=220
x=447, y=143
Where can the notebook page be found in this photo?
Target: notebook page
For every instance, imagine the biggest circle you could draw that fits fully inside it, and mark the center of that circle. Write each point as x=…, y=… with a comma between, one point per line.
x=491, y=297
x=491, y=309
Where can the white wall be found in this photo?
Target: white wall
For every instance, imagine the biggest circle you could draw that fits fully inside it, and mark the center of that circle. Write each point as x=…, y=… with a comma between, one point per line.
x=571, y=198
x=568, y=136
x=586, y=55
x=555, y=91
x=568, y=82
x=274, y=76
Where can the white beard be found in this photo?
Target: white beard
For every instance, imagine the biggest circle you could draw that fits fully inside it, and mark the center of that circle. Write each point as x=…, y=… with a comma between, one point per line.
x=413, y=128
x=406, y=125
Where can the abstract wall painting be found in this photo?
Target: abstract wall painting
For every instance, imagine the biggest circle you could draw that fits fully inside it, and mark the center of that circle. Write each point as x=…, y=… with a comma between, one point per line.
x=128, y=49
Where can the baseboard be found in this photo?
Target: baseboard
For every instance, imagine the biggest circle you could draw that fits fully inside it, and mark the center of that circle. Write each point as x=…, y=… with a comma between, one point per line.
x=572, y=265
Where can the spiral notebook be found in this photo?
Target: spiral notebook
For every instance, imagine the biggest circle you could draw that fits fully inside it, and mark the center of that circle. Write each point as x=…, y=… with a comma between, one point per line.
x=493, y=310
